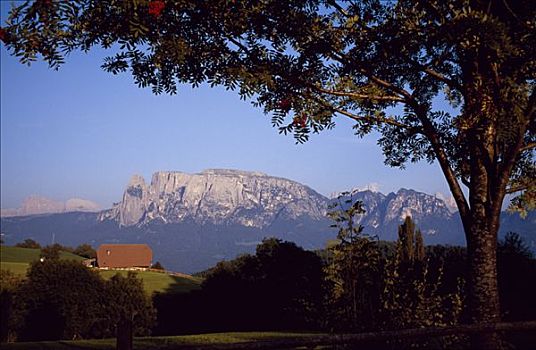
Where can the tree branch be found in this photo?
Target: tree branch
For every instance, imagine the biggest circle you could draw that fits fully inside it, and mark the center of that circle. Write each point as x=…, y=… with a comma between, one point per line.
x=531, y=106
x=239, y=44
x=441, y=156
x=511, y=155
x=408, y=97
x=358, y=96
x=451, y=83
x=339, y=8
x=342, y=59
x=514, y=189
x=379, y=120
x=527, y=147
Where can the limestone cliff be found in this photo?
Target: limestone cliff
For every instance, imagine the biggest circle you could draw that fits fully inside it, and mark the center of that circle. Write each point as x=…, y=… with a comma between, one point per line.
x=215, y=196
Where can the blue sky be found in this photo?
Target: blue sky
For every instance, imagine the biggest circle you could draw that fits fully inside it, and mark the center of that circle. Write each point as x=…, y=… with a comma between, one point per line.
x=82, y=132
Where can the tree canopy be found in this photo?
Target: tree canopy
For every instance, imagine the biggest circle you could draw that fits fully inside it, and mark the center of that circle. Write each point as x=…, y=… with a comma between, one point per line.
x=28, y=243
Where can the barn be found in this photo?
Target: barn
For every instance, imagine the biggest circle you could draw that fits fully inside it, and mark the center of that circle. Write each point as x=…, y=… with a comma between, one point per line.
x=124, y=256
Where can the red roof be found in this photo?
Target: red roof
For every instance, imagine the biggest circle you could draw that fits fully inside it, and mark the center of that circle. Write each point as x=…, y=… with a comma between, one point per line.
x=124, y=255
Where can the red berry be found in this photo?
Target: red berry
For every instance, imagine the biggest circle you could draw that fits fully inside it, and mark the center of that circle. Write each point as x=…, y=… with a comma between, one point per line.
x=300, y=120
x=3, y=35
x=284, y=104
x=156, y=7
x=303, y=121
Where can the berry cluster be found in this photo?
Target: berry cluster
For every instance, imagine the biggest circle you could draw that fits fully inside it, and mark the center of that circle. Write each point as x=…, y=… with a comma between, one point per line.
x=300, y=120
x=156, y=7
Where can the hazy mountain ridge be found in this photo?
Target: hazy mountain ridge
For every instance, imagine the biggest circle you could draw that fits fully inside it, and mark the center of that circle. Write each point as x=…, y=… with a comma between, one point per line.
x=35, y=205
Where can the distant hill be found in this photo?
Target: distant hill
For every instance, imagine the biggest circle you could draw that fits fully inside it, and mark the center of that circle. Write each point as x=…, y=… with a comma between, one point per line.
x=192, y=221
x=34, y=205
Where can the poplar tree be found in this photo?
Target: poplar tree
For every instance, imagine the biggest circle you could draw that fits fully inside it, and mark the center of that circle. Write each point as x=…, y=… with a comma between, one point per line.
x=406, y=233
x=420, y=253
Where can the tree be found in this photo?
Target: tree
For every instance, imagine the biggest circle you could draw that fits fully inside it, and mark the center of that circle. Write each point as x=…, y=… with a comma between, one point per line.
x=353, y=269
x=157, y=266
x=62, y=299
x=86, y=251
x=278, y=288
x=413, y=295
x=290, y=282
x=419, y=246
x=350, y=59
x=411, y=242
x=406, y=233
x=517, y=278
x=10, y=316
x=129, y=310
x=28, y=243
x=51, y=252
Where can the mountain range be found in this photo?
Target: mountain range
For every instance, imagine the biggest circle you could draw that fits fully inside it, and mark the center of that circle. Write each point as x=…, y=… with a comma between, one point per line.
x=192, y=221
x=34, y=205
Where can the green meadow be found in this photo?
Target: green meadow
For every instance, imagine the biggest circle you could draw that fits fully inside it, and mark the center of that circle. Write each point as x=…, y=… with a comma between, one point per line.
x=212, y=340
x=18, y=260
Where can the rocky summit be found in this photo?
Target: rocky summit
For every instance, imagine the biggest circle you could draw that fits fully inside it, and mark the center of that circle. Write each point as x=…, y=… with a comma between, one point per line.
x=217, y=197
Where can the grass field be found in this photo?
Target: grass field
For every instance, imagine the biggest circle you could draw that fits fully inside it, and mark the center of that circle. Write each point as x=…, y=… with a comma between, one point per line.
x=27, y=255
x=15, y=267
x=166, y=343
x=160, y=282
x=18, y=260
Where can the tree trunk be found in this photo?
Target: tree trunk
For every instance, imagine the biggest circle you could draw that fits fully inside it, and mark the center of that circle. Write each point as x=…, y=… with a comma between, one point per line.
x=124, y=335
x=483, y=296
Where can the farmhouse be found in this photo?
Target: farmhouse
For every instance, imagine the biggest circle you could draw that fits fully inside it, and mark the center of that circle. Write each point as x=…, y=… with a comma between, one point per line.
x=124, y=256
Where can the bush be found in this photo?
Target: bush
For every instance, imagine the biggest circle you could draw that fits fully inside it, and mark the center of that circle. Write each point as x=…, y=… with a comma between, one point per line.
x=158, y=266
x=86, y=251
x=28, y=243
x=10, y=316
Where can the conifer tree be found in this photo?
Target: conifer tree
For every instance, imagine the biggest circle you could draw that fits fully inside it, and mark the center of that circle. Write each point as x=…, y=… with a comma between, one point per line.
x=406, y=232
x=419, y=246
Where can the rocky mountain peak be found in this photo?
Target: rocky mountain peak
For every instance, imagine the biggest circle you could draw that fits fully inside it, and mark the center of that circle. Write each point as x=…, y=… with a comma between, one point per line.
x=136, y=180
x=216, y=196
x=407, y=202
